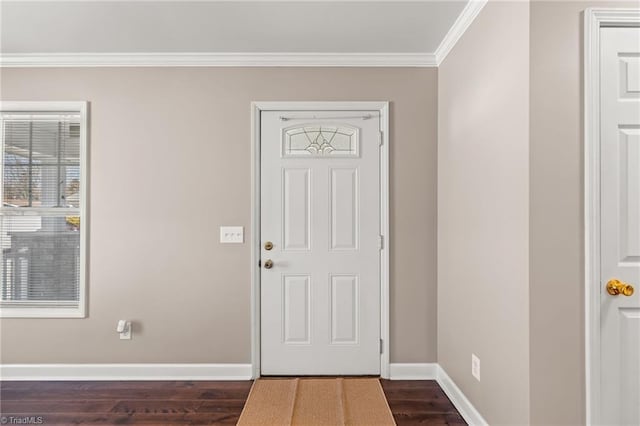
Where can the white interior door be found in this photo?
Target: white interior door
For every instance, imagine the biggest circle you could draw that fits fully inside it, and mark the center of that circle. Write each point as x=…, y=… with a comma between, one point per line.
x=620, y=235
x=320, y=252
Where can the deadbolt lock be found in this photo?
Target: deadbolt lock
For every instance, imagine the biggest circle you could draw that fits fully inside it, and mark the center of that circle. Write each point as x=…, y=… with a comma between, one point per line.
x=268, y=245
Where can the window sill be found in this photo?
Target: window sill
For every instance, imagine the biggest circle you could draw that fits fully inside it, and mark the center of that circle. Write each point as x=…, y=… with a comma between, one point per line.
x=49, y=312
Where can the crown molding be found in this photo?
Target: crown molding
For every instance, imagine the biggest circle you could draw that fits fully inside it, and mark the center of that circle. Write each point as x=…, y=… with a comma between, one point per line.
x=223, y=1
x=459, y=27
x=28, y=60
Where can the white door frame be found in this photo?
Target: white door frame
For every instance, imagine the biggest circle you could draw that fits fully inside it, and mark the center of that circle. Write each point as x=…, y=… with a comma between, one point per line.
x=256, y=109
x=594, y=19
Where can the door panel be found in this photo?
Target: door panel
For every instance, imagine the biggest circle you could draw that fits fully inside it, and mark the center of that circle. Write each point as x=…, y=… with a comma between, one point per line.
x=297, y=308
x=296, y=217
x=320, y=301
x=344, y=309
x=344, y=209
x=629, y=163
x=620, y=226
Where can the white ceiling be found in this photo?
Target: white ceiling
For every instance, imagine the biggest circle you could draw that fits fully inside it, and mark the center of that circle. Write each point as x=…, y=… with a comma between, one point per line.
x=130, y=27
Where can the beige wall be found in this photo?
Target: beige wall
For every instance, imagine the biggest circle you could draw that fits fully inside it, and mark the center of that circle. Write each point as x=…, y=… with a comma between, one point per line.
x=556, y=228
x=483, y=212
x=170, y=162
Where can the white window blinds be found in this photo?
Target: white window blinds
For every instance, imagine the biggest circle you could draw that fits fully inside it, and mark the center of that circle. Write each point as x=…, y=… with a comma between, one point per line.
x=41, y=215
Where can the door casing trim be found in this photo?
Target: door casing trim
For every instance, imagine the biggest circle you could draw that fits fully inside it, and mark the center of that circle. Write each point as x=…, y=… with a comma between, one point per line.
x=256, y=108
x=594, y=19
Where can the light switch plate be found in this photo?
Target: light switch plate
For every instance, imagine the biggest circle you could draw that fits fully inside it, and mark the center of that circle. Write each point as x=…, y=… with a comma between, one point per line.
x=231, y=234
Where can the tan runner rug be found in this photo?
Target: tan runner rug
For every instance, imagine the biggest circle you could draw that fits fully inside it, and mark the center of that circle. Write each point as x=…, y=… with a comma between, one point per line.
x=330, y=402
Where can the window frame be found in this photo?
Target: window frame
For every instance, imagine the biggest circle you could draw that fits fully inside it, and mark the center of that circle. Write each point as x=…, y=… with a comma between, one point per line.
x=14, y=309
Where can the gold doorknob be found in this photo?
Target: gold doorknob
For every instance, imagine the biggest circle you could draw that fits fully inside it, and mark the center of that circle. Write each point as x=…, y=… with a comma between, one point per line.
x=616, y=287
x=268, y=245
x=268, y=264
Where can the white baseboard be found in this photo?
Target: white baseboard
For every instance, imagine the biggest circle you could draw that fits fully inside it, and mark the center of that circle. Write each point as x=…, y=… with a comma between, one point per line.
x=459, y=400
x=422, y=371
x=433, y=371
x=125, y=372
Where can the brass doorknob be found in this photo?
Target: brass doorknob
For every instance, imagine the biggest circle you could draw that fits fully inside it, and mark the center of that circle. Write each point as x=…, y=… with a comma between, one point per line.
x=616, y=287
x=268, y=264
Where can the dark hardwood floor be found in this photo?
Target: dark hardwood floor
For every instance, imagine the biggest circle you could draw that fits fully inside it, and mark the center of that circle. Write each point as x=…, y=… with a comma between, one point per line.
x=420, y=402
x=185, y=403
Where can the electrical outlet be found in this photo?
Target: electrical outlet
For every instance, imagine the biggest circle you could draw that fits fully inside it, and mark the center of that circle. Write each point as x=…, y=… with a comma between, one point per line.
x=475, y=366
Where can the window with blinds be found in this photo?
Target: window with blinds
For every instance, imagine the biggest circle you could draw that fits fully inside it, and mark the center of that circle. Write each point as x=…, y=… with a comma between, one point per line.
x=41, y=218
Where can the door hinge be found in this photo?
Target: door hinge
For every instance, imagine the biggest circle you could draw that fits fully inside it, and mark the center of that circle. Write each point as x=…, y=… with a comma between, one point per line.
x=380, y=242
x=381, y=346
x=380, y=138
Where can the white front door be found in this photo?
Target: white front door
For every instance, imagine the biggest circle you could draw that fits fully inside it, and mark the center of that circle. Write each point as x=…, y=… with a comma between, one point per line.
x=320, y=236
x=620, y=226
